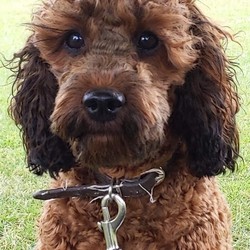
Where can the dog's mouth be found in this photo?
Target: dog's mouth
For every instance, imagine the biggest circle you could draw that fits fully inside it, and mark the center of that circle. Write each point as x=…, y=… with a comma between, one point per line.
x=109, y=148
x=127, y=140
x=108, y=130
x=100, y=137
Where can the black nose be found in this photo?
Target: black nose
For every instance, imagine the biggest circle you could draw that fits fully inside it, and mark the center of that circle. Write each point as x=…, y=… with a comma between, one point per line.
x=102, y=105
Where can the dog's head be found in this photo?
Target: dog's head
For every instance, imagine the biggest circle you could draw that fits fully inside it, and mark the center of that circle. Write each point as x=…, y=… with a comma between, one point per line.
x=110, y=83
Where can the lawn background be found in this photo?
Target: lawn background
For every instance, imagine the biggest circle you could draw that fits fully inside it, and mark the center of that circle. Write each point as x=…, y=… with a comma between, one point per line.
x=18, y=211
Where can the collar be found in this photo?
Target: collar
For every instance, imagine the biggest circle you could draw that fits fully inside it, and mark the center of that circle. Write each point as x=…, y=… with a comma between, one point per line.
x=139, y=186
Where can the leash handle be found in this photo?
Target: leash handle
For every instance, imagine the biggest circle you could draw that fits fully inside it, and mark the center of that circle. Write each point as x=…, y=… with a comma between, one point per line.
x=110, y=226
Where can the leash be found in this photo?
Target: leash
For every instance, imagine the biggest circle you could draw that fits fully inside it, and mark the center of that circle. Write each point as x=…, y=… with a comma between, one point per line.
x=112, y=192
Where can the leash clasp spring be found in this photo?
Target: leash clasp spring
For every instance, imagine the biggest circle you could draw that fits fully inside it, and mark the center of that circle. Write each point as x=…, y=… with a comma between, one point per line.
x=110, y=226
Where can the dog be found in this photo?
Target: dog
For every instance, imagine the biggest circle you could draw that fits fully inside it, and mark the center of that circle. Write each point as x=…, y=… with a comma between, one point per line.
x=135, y=100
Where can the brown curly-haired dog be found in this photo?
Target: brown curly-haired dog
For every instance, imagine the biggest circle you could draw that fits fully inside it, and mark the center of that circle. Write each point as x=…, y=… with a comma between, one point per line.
x=118, y=88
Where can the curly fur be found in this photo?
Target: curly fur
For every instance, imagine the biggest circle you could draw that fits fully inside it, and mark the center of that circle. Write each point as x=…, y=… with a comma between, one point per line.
x=181, y=102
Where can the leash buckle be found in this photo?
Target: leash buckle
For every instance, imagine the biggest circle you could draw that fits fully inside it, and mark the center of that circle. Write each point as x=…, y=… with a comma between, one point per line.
x=110, y=226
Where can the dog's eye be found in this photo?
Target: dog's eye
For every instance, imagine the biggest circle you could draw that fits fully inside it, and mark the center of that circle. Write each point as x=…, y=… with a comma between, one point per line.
x=74, y=40
x=147, y=41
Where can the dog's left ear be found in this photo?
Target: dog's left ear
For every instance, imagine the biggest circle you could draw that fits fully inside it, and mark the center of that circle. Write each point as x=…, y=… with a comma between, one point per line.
x=34, y=92
x=204, y=111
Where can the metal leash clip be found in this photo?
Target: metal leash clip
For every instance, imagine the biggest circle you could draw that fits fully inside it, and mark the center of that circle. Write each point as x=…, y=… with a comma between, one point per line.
x=110, y=226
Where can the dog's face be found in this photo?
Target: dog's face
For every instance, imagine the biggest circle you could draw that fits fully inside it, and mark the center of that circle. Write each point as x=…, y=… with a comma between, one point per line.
x=116, y=63
x=114, y=83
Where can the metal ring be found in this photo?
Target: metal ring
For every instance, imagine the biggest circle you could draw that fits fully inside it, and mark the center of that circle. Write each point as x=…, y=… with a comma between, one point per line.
x=110, y=191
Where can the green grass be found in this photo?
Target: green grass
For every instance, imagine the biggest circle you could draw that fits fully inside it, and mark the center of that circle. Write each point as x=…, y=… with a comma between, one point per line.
x=18, y=211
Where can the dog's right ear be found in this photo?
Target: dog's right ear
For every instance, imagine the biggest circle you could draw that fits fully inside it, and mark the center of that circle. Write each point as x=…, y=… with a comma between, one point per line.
x=204, y=112
x=33, y=95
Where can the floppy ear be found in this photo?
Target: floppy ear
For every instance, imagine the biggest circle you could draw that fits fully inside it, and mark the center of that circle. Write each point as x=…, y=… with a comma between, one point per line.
x=205, y=107
x=34, y=92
